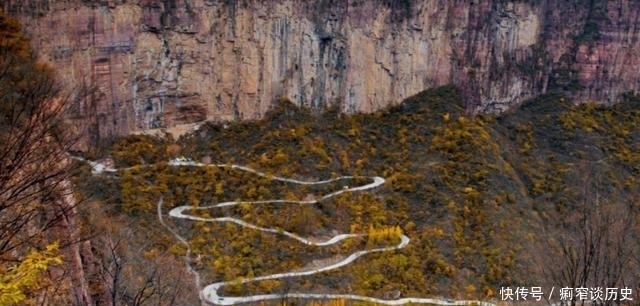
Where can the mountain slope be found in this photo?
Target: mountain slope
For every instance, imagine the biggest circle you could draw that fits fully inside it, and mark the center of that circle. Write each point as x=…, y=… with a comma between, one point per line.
x=540, y=196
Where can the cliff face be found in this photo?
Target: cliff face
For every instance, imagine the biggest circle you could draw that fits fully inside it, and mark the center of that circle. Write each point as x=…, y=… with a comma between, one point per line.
x=162, y=63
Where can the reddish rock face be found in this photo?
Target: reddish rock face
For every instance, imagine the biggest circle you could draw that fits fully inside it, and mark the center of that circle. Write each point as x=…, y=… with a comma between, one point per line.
x=157, y=64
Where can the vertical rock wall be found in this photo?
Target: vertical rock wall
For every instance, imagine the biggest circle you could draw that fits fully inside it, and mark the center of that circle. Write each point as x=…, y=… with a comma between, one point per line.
x=163, y=63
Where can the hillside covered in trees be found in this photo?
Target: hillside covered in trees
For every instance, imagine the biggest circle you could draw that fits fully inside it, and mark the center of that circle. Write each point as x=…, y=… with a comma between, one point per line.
x=541, y=196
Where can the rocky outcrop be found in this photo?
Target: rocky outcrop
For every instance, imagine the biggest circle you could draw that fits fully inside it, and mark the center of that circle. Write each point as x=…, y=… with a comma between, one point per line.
x=158, y=64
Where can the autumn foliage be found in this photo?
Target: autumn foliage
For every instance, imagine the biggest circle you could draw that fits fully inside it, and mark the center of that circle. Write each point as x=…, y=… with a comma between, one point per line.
x=477, y=195
x=33, y=169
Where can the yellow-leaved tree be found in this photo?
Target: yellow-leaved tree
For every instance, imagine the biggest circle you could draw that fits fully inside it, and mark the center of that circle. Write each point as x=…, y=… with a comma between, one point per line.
x=33, y=168
x=27, y=275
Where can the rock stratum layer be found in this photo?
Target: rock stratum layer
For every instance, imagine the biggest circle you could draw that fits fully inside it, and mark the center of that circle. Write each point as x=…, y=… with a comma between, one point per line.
x=165, y=63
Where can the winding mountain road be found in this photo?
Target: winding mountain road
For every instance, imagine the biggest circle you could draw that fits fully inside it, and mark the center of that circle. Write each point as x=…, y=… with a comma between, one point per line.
x=209, y=293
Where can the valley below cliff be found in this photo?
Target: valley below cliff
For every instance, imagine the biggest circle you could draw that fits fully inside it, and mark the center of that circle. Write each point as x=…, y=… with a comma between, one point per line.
x=541, y=196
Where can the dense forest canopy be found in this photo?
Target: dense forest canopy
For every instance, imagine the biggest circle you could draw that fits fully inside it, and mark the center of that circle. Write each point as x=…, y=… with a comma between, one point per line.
x=540, y=196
